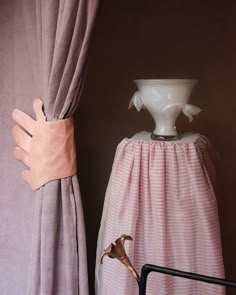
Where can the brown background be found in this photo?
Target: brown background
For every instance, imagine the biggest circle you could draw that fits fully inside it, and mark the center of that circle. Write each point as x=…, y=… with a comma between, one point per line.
x=158, y=39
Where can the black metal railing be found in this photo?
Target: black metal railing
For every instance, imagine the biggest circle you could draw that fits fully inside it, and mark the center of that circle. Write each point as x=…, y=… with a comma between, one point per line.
x=148, y=268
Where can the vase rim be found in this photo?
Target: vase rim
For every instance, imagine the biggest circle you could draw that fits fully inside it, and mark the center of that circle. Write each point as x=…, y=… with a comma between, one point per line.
x=166, y=80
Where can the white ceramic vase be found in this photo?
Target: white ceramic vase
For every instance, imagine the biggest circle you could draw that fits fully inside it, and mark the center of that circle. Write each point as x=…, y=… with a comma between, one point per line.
x=165, y=99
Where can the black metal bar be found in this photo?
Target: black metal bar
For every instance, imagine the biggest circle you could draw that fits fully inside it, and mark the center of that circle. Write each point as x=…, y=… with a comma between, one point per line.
x=147, y=268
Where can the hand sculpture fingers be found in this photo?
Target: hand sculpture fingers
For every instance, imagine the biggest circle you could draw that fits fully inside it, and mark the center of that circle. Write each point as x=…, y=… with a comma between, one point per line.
x=38, y=109
x=22, y=156
x=47, y=148
x=24, y=121
x=22, y=139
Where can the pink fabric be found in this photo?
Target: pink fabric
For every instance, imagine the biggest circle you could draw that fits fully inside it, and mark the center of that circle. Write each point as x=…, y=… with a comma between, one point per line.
x=47, y=148
x=162, y=194
x=58, y=38
x=43, y=52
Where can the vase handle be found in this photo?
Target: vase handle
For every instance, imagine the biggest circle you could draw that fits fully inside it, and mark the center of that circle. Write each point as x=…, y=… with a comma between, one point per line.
x=191, y=110
x=136, y=101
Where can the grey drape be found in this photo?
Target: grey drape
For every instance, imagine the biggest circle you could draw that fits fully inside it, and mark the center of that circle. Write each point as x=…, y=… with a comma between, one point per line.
x=43, y=53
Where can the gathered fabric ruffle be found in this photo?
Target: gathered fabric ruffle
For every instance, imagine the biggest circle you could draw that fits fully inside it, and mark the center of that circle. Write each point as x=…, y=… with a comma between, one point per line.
x=163, y=195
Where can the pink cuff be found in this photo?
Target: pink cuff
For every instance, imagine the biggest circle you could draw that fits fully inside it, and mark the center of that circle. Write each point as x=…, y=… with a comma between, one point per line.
x=47, y=148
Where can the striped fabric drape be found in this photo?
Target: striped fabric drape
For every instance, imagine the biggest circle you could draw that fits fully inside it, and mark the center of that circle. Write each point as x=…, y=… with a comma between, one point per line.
x=162, y=194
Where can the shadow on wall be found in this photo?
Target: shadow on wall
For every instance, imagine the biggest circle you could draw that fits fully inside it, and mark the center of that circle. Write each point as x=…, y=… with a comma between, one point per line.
x=158, y=39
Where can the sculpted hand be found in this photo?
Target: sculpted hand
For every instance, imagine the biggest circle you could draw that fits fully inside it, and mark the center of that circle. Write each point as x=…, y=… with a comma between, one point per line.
x=46, y=148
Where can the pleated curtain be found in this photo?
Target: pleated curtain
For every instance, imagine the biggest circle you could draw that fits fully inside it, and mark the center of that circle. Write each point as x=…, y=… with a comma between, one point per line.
x=43, y=51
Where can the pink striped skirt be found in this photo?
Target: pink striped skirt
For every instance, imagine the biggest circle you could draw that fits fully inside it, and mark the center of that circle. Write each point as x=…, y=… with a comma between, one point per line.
x=162, y=194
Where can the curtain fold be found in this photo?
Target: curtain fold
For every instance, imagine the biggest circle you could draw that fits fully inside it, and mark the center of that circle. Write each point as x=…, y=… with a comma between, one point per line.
x=58, y=34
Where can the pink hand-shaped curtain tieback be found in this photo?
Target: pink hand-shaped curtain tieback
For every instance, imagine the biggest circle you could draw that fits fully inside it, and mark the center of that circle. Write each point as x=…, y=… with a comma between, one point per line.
x=47, y=148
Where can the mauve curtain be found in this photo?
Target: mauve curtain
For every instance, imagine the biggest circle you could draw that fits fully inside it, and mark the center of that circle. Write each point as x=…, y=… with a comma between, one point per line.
x=45, y=44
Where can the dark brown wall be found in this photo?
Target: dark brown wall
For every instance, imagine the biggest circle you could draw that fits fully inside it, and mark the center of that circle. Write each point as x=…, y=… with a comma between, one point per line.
x=158, y=39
